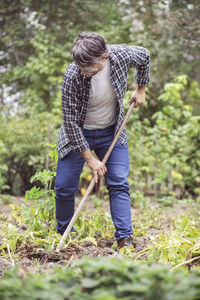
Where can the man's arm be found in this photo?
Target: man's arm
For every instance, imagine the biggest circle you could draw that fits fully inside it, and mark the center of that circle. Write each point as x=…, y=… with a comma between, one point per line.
x=139, y=57
x=70, y=111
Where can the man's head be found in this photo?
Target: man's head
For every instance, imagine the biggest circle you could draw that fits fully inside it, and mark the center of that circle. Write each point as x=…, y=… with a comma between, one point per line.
x=89, y=53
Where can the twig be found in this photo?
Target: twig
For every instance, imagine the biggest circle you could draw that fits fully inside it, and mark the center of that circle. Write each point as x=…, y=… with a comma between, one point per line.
x=140, y=253
x=12, y=260
x=53, y=244
x=185, y=262
x=143, y=252
x=69, y=261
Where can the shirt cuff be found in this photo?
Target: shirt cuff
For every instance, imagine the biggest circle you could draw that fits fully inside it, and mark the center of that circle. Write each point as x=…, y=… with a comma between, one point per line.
x=80, y=148
x=142, y=80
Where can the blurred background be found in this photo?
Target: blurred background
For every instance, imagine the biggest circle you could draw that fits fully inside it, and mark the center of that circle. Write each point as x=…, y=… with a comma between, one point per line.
x=163, y=134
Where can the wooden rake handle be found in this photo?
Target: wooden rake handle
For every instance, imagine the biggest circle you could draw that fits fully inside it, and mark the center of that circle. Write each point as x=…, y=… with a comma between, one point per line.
x=92, y=183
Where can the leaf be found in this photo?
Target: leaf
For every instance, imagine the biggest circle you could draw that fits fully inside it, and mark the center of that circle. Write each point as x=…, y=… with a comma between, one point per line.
x=89, y=283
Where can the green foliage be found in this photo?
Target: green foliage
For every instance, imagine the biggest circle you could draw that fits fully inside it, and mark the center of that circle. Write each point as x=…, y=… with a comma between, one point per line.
x=36, y=42
x=99, y=221
x=43, y=210
x=22, y=151
x=168, y=152
x=163, y=140
x=45, y=177
x=39, y=220
x=173, y=40
x=138, y=199
x=3, y=168
x=6, y=199
x=39, y=217
x=167, y=200
x=98, y=202
x=42, y=73
x=167, y=166
x=102, y=278
x=40, y=223
x=35, y=46
x=176, y=246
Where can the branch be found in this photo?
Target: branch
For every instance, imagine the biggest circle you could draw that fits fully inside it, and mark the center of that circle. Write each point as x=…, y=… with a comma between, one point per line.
x=12, y=260
x=185, y=263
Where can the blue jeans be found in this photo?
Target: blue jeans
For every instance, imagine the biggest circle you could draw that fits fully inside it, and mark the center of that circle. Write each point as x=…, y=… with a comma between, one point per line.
x=70, y=167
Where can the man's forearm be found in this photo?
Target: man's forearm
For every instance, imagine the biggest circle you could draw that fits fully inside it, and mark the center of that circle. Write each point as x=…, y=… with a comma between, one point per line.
x=140, y=87
x=87, y=155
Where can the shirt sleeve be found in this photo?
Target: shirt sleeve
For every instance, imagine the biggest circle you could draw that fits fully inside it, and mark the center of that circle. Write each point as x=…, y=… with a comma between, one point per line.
x=139, y=57
x=70, y=104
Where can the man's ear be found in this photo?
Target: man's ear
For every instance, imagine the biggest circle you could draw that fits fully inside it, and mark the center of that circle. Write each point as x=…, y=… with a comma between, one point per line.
x=104, y=56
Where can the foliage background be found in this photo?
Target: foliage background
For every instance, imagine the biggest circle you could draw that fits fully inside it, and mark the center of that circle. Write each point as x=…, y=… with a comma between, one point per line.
x=164, y=134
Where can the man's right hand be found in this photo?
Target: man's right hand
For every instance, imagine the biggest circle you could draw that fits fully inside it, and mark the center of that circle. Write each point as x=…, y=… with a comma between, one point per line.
x=97, y=167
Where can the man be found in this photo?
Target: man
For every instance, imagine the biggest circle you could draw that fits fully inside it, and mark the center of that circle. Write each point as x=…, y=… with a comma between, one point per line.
x=93, y=89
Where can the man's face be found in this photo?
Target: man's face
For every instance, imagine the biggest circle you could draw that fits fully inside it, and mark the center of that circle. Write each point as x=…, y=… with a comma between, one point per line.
x=94, y=69
x=91, y=71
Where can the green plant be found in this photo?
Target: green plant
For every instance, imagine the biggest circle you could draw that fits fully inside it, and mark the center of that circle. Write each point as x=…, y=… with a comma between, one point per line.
x=6, y=199
x=98, y=222
x=98, y=202
x=164, y=158
x=167, y=200
x=102, y=279
x=138, y=199
x=176, y=246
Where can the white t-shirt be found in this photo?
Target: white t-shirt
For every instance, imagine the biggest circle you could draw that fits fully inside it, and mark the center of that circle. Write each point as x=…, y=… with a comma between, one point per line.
x=102, y=101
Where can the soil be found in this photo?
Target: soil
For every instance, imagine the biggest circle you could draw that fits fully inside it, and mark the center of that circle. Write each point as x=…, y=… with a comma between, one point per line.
x=34, y=258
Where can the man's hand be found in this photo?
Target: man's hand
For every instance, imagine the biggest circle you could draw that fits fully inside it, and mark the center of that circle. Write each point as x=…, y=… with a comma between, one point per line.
x=97, y=167
x=138, y=96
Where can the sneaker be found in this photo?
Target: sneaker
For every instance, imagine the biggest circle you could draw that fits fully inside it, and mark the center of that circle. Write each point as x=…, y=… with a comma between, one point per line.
x=128, y=242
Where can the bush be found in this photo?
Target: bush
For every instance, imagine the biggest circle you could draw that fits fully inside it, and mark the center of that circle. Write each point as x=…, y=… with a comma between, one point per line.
x=165, y=158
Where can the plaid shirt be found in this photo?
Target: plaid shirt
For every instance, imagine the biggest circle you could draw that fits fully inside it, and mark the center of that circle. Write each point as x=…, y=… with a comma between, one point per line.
x=76, y=90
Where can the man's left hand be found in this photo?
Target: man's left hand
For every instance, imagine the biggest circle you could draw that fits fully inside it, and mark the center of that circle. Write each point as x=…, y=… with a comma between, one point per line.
x=138, y=96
